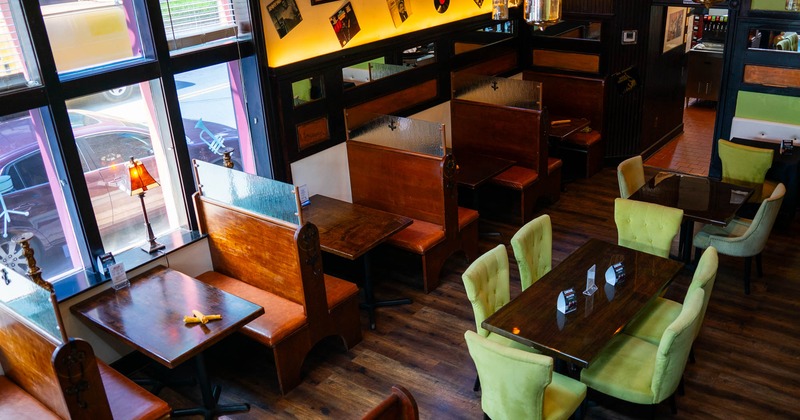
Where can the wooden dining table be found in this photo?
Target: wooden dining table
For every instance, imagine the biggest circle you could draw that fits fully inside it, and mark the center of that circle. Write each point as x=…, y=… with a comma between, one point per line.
x=149, y=316
x=351, y=231
x=577, y=337
x=702, y=199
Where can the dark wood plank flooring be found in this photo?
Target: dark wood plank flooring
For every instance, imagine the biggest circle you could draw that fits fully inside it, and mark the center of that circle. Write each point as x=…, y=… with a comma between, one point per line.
x=748, y=353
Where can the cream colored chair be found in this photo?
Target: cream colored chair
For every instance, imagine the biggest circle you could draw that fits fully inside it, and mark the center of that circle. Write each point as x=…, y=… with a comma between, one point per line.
x=521, y=385
x=743, y=237
x=646, y=227
x=533, y=250
x=630, y=176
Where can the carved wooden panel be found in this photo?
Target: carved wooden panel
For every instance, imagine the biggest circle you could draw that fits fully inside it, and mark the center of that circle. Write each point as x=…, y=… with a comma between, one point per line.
x=772, y=76
x=589, y=63
x=312, y=132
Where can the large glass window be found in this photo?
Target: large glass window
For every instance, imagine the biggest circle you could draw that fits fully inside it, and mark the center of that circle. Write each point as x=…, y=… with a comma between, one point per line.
x=192, y=23
x=17, y=66
x=108, y=135
x=31, y=198
x=214, y=117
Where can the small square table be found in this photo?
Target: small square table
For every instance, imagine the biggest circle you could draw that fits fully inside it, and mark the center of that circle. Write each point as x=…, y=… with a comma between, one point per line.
x=148, y=316
x=577, y=337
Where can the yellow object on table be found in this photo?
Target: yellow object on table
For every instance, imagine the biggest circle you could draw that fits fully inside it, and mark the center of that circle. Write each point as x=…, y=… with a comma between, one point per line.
x=200, y=318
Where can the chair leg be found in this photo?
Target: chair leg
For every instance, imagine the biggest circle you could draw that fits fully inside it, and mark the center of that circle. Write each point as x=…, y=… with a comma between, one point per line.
x=759, y=270
x=477, y=386
x=691, y=355
x=748, y=263
x=672, y=405
x=697, y=254
x=681, y=389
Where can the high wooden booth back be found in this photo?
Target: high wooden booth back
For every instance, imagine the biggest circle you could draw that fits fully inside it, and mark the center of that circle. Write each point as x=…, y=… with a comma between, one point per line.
x=419, y=186
x=46, y=379
x=278, y=265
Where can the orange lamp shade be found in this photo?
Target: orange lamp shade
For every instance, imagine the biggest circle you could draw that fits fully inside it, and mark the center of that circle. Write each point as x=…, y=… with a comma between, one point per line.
x=140, y=179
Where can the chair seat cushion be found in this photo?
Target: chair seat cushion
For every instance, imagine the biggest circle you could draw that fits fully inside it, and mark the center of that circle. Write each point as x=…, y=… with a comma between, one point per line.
x=281, y=316
x=562, y=397
x=585, y=140
x=128, y=400
x=720, y=235
x=338, y=290
x=15, y=403
x=466, y=216
x=553, y=164
x=654, y=320
x=624, y=369
x=516, y=177
x=418, y=237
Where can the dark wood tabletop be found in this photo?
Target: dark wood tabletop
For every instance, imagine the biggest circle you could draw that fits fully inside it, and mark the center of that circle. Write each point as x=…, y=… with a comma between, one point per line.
x=532, y=318
x=351, y=230
x=148, y=315
x=560, y=130
x=476, y=169
x=702, y=199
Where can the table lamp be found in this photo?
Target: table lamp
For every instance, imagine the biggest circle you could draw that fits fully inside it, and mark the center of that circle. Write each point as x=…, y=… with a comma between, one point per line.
x=140, y=182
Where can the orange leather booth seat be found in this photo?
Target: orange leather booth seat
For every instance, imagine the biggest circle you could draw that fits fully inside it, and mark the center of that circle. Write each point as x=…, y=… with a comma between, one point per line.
x=418, y=237
x=15, y=403
x=128, y=400
x=516, y=177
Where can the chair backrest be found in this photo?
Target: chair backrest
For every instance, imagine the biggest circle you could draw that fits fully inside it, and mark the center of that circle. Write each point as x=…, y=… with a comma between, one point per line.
x=533, y=250
x=646, y=227
x=486, y=281
x=400, y=405
x=704, y=277
x=630, y=175
x=513, y=381
x=674, y=347
x=755, y=238
x=744, y=165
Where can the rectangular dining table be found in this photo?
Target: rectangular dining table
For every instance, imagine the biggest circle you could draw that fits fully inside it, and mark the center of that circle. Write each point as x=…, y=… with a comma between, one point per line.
x=577, y=337
x=351, y=231
x=702, y=199
x=148, y=316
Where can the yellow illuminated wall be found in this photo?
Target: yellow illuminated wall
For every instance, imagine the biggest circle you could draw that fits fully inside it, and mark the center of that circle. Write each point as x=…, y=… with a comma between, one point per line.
x=314, y=36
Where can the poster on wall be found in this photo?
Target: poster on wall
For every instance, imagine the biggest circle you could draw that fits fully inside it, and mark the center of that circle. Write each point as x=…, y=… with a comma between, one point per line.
x=441, y=5
x=285, y=15
x=674, y=27
x=345, y=24
x=400, y=10
x=479, y=3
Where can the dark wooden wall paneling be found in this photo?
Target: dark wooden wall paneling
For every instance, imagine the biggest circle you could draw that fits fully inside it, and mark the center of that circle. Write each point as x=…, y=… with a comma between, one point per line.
x=590, y=7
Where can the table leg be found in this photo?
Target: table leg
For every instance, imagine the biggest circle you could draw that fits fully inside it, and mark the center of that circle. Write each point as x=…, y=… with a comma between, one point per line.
x=210, y=408
x=685, y=241
x=369, y=295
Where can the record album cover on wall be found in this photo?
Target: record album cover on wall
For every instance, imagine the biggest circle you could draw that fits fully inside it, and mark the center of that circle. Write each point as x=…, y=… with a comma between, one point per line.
x=285, y=15
x=345, y=24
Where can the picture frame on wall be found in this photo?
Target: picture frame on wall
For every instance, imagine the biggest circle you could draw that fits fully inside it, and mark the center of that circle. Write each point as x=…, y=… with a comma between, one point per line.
x=674, y=28
x=316, y=2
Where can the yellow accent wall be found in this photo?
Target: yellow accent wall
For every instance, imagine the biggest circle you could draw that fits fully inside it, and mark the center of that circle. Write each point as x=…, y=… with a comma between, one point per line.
x=314, y=36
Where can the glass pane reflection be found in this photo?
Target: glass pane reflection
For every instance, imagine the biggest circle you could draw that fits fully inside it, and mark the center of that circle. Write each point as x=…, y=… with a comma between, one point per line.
x=498, y=91
x=397, y=132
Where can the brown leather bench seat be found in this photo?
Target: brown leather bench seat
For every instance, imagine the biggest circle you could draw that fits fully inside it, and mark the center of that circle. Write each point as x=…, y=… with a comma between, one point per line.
x=516, y=177
x=128, y=400
x=419, y=237
x=15, y=403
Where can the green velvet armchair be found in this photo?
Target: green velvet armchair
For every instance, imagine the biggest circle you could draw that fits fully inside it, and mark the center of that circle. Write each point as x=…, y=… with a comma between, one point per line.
x=630, y=176
x=743, y=237
x=646, y=227
x=640, y=372
x=657, y=316
x=533, y=250
x=746, y=166
x=521, y=385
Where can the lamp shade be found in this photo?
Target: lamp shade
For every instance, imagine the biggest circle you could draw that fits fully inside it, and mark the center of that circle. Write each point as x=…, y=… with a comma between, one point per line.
x=140, y=179
x=542, y=13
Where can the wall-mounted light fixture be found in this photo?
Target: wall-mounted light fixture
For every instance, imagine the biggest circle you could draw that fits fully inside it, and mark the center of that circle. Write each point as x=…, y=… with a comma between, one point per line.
x=542, y=13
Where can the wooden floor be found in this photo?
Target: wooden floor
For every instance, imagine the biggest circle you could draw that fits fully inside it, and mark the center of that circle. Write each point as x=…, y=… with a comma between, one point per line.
x=748, y=352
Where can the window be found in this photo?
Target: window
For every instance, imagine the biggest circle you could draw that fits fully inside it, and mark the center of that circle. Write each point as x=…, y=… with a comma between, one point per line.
x=191, y=23
x=17, y=66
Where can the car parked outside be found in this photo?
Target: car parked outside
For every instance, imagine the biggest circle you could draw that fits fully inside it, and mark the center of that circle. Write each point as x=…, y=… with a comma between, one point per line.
x=105, y=145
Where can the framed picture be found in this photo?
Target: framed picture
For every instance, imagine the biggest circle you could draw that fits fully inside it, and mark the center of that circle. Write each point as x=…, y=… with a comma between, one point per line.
x=285, y=15
x=316, y=2
x=345, y=24
x=674, y=27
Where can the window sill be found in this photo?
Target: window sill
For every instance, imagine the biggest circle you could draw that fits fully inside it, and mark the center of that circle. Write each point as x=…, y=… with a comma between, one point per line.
x=134, y=258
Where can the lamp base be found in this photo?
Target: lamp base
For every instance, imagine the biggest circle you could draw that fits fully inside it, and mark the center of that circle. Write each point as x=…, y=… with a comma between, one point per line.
x=152, y=247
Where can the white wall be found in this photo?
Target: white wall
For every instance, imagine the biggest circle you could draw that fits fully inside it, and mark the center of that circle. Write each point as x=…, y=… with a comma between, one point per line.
x=325, y=173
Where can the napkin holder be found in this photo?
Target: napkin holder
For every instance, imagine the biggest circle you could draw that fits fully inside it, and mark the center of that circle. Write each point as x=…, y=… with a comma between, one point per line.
x=567, y=301
x=615, y=274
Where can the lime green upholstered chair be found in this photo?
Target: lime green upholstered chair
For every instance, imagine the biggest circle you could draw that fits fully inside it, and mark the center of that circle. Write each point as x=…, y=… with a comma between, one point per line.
x=746, y=166
x=521, y=385
x=486, y=281
x=640, y=372
x=630, y=175
x=657, y=316
x=533, y=250
x=646, y=227
x=743, y=237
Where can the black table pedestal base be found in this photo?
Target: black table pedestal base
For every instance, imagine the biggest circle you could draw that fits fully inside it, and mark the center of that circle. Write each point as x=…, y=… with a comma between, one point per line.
x=210, y=409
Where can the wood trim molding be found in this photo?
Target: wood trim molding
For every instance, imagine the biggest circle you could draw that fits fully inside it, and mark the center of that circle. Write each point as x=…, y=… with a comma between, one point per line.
x=588, y=63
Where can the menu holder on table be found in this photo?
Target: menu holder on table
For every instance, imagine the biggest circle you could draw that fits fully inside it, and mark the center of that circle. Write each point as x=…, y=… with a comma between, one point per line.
x=567, y=301
x=615, y=274
x=590, y=286
x=738, y=197
x=786, y=147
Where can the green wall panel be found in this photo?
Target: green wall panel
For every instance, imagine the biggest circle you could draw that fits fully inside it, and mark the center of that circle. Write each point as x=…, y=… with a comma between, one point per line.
x=779, y=5
x=766, y=107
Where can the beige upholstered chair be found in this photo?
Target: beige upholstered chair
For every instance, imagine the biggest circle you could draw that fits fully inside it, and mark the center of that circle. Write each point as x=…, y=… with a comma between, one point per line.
x=630, y=175
x=533, y=250
x=646, y=227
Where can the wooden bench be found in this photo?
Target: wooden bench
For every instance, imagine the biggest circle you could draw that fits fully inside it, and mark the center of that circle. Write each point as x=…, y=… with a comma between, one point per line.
x=400, y=405
x=421, y=187
x=516, y=134
x=278, y=265
x=44, y=379
x=578, y=97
